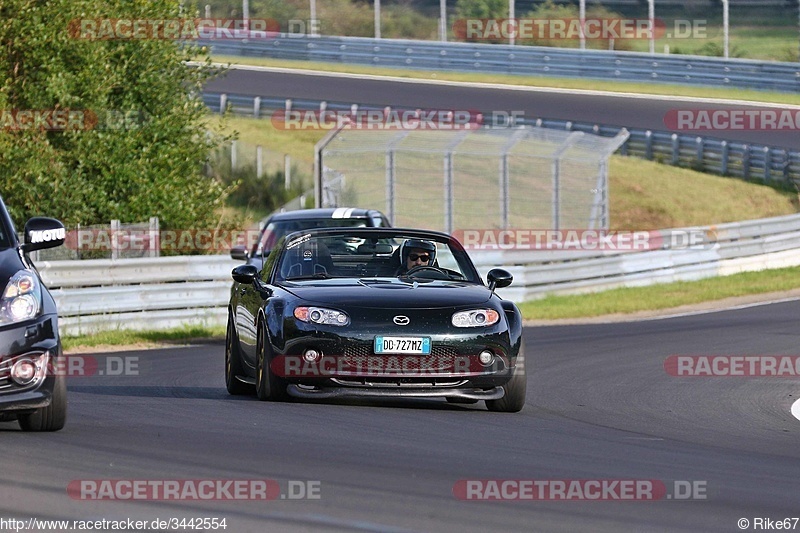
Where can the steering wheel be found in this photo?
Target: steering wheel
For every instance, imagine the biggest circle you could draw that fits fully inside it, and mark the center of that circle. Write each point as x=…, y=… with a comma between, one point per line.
x=421, y=268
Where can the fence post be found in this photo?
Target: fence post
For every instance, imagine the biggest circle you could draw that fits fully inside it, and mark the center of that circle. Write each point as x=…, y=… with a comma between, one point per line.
x=155, y=238
x=287, y=171
x=259, y=161
x=257, y=107
x=115, y=231
x=504, y=196
x=390, y=184
x=233, y=156
x=448, y=192
x=223, y=103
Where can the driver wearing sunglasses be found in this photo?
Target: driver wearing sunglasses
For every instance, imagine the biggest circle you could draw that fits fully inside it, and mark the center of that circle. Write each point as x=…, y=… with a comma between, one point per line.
x=416, y=252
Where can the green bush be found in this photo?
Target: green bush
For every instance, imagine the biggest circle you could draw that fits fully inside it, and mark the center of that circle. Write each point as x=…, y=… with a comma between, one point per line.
x=149, y=166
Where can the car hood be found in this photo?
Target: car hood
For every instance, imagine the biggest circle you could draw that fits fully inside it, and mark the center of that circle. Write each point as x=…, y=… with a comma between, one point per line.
x=383, y=293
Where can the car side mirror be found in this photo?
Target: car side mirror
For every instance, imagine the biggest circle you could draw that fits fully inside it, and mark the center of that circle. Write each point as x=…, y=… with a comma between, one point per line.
x=239, y=253
x=43, y=232
x=499, y=278
x=244, y=274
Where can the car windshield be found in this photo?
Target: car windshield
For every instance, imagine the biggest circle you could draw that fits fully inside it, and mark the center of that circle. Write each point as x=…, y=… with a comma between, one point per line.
x=277, y=229
x=373, y=254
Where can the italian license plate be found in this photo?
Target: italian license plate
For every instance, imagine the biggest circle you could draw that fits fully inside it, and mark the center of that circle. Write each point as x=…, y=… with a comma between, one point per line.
x=420, y=345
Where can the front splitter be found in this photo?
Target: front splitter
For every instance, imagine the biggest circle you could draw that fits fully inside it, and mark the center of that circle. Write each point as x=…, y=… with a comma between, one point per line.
x=388, y=392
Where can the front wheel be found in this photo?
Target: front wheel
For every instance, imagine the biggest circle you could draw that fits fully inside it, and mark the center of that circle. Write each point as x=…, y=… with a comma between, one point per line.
x=268, y=386
x=515, y=390
x=233, y=363
x=50, y=418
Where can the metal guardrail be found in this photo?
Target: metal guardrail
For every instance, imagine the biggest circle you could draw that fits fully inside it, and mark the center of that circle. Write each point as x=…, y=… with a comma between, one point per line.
x=103, y=294
x=524, y=60
x=735, y=247
x=727, y=158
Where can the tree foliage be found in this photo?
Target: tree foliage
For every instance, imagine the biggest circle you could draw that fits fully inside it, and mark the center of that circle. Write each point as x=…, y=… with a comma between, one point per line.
x=481, y=9
x=144, y=155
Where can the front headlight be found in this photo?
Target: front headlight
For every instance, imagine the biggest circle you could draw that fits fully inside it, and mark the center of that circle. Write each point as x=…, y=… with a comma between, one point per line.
x=320, y=315
x=22, y=298
x=475, y=318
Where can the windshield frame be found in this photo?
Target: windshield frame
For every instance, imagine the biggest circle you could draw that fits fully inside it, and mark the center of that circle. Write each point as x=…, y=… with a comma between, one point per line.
x=468, y=272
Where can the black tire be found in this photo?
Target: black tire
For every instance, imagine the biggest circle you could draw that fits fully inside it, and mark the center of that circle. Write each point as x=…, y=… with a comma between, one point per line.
x=233, y=363
x=269, y=387
x=515, y=390
x=50, y=418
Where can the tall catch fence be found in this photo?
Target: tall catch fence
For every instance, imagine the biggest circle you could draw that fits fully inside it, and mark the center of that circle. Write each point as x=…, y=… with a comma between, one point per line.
x=523, y=177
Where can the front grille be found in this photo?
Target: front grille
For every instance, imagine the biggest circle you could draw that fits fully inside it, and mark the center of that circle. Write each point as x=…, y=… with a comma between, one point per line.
x=441, y=359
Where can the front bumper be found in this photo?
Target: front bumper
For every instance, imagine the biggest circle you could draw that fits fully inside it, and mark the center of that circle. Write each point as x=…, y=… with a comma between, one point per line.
x=34, y=338
x=299, y=391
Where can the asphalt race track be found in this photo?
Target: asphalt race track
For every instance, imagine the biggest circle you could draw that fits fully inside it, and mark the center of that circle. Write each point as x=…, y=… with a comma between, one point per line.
x=600, y=407
x=646, y=112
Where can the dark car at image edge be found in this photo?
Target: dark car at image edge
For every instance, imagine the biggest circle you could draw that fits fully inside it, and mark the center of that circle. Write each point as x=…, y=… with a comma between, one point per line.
x=31, y=390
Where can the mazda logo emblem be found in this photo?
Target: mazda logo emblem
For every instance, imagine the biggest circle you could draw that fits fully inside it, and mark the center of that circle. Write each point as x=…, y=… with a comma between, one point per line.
x=401, y=320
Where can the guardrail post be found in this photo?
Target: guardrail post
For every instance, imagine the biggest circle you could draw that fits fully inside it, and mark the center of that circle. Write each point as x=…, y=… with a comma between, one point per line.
x=746, y=162
x=676, y=149
x=223, y=103
x=259, y=161
x=723, y=158
x=233, y=156
x=700, y=150
x=648, y=145
x=257, y=107
x=767, y=164
x=787, y=177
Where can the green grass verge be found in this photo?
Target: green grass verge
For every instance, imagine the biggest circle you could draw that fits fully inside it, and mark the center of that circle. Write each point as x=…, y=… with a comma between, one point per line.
x=145, y=338
x=662, y=296
x=649, y=195
x=532, y=81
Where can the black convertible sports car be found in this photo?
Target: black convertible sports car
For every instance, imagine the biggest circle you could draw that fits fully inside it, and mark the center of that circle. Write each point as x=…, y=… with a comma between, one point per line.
x=373, y=312
x=31, y=390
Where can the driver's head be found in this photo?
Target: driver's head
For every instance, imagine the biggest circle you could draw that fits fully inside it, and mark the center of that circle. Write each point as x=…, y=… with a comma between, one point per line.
x=417, y=252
